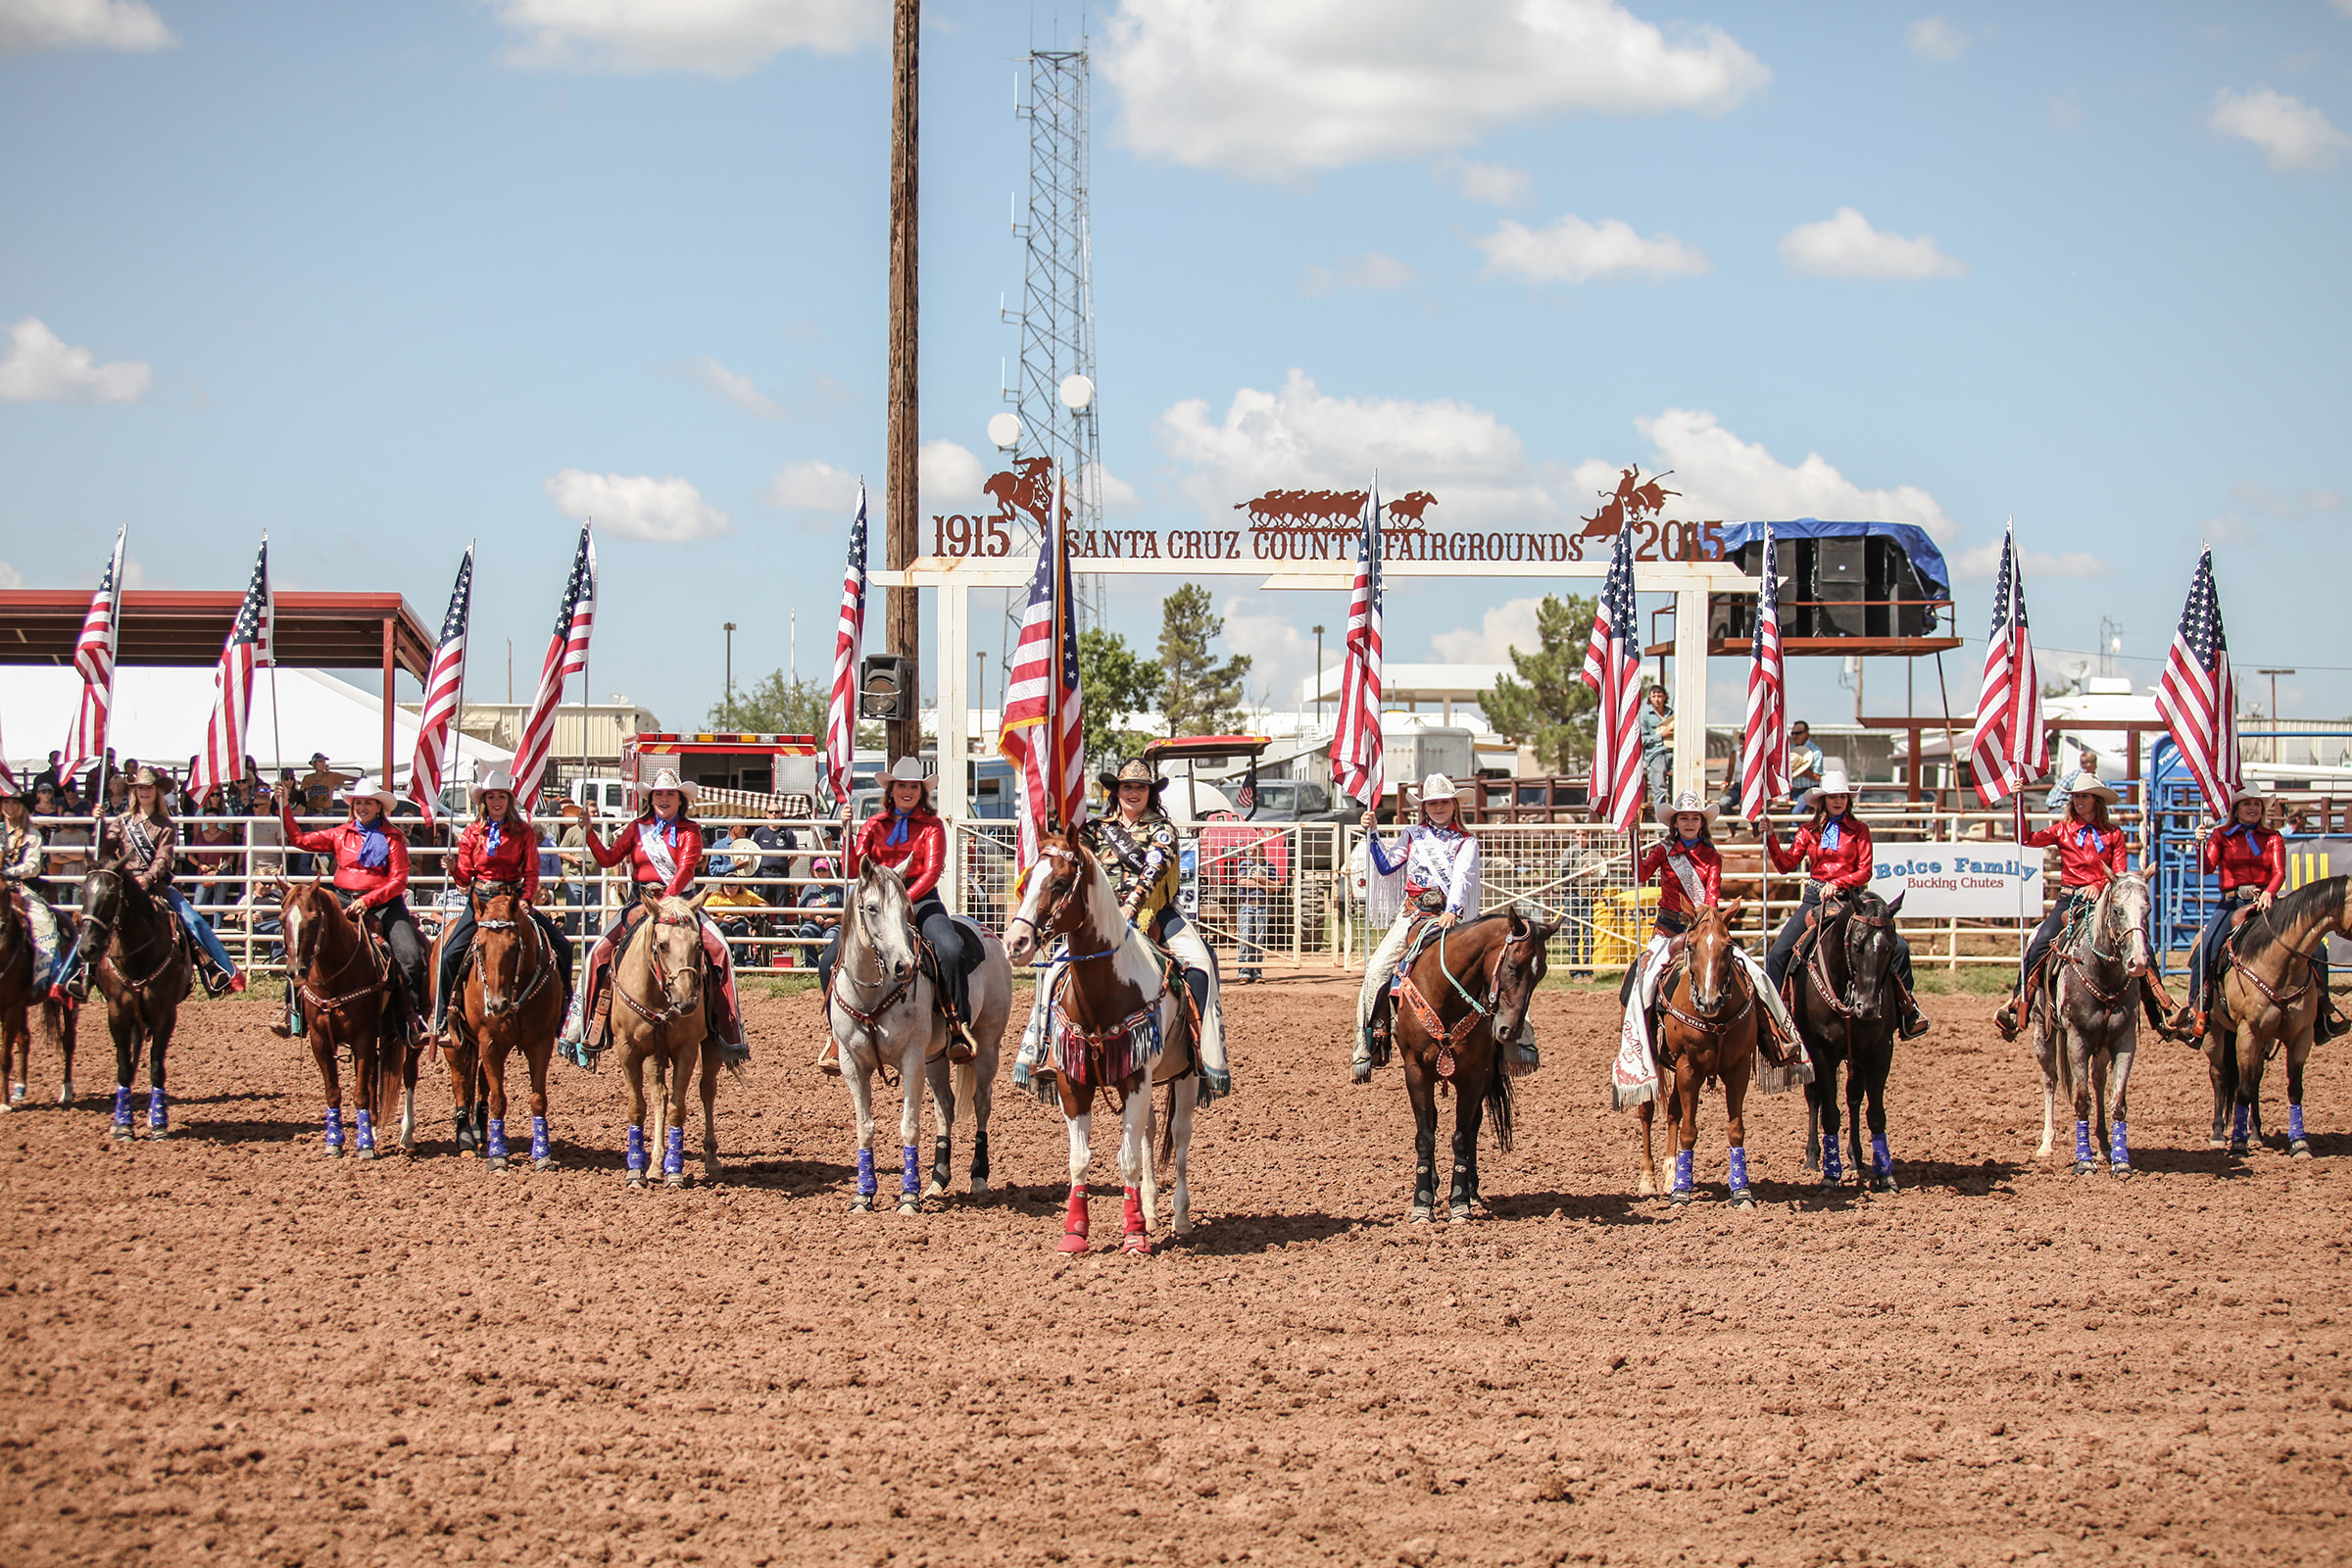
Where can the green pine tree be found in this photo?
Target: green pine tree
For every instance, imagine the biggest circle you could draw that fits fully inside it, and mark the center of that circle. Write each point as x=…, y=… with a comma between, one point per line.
x=1116, y=682
x=1548, y=707
x=1199, y=695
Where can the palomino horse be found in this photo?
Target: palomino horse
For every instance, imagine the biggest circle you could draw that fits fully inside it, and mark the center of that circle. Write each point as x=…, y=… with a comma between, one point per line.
x=2267, y=999
x=2086, y=1018
x=509, y=996
x=1846, y=1008
x=143, y=971
x=1453, y=1033
x=1707, y=1030
x=23, y=988
x=661, y=981
x=882, y=1013
x=342, y=986
x=1117, y=1020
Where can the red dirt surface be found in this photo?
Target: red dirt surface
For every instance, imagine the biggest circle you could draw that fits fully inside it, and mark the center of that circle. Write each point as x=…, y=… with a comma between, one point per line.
x=224, y=1348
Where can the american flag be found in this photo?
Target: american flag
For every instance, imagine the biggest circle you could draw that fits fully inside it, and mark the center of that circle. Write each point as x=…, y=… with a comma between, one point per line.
x=250, y=647
x=442, y=685
x=1613, y=669
x=2008, y=746
x=2198, y=696
x=848, y=634
x=1356, y=759
x=94, y=657
x=1764, y=751
x=566, y=656
x=1044, y=731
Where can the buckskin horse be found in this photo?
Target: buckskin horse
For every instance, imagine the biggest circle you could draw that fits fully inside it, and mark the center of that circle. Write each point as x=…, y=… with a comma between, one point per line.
x=882, y=1011
x=1117, y=1020
x=661, y=981
x=143, y=969
x=1846, y=1009
x=509, y=996
x=2086, y=1018
x=1708, y=1027
x=24, y=989
x=342, y=981
x=2265, y=998
x=1461, y=1002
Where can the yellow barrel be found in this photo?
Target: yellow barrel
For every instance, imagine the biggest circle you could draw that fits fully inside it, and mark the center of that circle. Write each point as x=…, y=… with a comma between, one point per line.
x=1622, y=917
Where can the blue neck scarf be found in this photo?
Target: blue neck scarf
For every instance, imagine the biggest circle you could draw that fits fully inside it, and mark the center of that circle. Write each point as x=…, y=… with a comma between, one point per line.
x=376, y=844
x=2249, y=831
x=490, y=846
x=1687, y=840
x=898, y=826
x=2087, y=833
x=1830, y=832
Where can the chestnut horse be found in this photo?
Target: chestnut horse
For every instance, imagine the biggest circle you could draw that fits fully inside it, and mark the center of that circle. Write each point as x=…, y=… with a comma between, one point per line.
x=509, y=997
x=25, y=988
x=1117, y=1020
x=143, y=969
x=660, y=980
x=342, y=992
x=1460, y=1003
x=1708, y=1024
x=2266, y=999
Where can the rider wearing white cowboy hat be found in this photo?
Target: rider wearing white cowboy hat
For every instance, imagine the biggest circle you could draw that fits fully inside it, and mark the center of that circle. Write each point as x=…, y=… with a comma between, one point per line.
x=663, y=847
x=906, y=835
x=499, y=845
x=24, y=855
x=1835, y=849
x=1437, y=863
x=370, y=861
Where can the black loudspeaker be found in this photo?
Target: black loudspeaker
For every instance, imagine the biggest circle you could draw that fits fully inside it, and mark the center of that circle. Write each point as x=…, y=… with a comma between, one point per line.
x=886, y=688
x=1840, y=587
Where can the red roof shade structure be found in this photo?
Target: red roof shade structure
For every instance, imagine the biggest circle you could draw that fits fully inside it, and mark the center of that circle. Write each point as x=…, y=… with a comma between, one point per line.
x=170, y=626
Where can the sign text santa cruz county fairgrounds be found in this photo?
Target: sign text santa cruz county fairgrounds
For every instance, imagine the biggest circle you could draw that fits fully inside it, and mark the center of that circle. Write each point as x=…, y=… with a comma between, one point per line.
x=1977, y=881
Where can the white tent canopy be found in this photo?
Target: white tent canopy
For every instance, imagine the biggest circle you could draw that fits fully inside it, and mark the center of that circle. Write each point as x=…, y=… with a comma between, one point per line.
x=160, y=715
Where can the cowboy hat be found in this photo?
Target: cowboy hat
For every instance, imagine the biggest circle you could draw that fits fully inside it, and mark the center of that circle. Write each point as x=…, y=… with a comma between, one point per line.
x=668, y=779
x=1832, y=782
x=368, y=789
x=149, y=776
x=1688, y=804
x=2089, y=784
x=498, y=778
x=2243, y=792
x=909, y=771
x=1437, y=787
x=1134, y=770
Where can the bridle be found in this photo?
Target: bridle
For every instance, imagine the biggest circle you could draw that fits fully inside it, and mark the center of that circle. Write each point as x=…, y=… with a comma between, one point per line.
x=305, y=954
x=866, y=1016
x=1060, y=893
x=2103, y=923
x=106, y=949
x=672, y=1007
x=1712, y=1023
x=498, y=1005
x=1482, y=1011
x=1833, y=996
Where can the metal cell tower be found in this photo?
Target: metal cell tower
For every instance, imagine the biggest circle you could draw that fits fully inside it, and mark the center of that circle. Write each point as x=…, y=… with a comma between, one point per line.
x=1057, y=317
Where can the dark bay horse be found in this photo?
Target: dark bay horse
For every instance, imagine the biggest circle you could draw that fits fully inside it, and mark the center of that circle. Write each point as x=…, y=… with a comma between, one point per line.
x=23, y=990
x=1848, y=1010
x=342, y=992
x=1707, y=1031
x=509, y=995
x=1460, y=1005
x=2269, y=998
x=143, y=971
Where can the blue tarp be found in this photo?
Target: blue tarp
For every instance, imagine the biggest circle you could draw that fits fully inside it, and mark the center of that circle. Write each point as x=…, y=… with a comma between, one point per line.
x=1926, y=558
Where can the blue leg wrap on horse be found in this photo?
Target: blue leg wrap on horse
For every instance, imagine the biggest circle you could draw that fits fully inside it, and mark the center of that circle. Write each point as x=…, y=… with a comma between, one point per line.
x=673, y=1157
x=2082, y=1155
x=498, y=1138
x=1881, y=1160
x=636, y=1149
x=538, y=1137
x=1682, y=1170
x=2237, y=1122
x=334, y=1127
x=906, y=1180
x=1832, y=1162
x=159, y=1118
x=2120, y=1144
x=123, y=1107
x=2294, y=1123
x=367, y=1132
x=866, y=1173
x=1738, y=1170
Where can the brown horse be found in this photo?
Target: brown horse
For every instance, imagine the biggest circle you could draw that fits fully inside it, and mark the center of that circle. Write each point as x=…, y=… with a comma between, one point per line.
x=2267, y=997
x=509, y=995
x=1707, y=1031
x=25, y=986
x=659, y=979
x=143, y=969
x=1461, y=1003
x=339, y=985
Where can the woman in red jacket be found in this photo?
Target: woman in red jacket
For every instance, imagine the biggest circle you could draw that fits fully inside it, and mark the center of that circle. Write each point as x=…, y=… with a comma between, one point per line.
x=663, y=848
x=370, y=861
x=907, y=834
x=2093, y=851
x=499, y=845
x=1835, y=849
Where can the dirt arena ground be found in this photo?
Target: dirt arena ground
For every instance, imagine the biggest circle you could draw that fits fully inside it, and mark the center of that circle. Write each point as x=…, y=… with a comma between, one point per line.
x=224, y=1348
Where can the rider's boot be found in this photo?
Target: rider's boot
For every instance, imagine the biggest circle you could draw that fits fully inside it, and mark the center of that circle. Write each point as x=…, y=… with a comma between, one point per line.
x=1912, y=1023
x=1372, y=1044
x=2012, y=1012
x=961, y=1047
x=600, y=1025
x=828, y=1061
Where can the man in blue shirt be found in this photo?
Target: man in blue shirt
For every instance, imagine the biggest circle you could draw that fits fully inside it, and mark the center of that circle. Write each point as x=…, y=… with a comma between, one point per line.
x=1658, y=752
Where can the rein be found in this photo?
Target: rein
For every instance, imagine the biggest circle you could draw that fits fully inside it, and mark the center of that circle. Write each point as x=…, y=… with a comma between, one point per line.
x=107, y=957
x=865, y=1016
x=1697, y=1025
x=539, y=971
x=362, y=948
x=672, y=1010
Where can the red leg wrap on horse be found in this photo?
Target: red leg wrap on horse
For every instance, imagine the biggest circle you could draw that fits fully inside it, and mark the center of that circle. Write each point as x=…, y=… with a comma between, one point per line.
x=1074, y=1221
x=1135, y=1212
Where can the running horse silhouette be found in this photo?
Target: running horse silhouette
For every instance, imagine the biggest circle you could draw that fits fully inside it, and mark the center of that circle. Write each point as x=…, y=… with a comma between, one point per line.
x=1410, y=506
x=1027, y=487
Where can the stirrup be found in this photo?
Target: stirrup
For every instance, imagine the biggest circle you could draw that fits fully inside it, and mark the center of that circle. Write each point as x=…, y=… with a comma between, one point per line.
x=2006, y=1020
x=961, y=1047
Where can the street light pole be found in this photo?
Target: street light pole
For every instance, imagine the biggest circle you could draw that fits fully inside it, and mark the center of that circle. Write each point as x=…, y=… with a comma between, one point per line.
x=1318, y=675
x=2274, y=674
x=730, y=626
x=980, y=692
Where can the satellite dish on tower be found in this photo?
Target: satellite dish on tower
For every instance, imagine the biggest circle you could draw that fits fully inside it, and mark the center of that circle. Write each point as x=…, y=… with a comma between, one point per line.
x=1005, y=429
x=1077, y=393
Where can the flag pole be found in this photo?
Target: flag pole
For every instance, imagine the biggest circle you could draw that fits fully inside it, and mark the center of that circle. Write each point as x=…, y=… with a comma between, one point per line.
x=456, y=720
x=278, y=737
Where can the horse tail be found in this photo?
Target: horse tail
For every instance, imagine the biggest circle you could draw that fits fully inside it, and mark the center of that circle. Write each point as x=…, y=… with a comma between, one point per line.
x=1498, y=1106
x=968, y=1084
x=1167, y=1138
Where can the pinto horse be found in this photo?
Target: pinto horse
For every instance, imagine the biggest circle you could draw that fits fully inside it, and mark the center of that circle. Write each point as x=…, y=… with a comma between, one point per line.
x=2087, y=1024
x=1846, y=1009
x=509, y=996
x=1707, y=1031
x=24, y=989
x=342, y=989
x=2266, y=997
x=143, y=969
x=1461, y=1003
x=1117, y=1020
x=661, y=981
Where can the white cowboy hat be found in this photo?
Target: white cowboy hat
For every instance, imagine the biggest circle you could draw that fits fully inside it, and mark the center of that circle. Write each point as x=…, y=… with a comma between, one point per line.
x=1690, y=803
x=1437, y=787
x=1832, y=782
x=498, y=778
x=909, y=771
x=368, y=789
x=2089, y=784
x=668, y=779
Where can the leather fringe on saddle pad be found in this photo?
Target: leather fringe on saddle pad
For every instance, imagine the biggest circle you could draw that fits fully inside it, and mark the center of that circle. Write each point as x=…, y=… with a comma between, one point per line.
x=1776, y=1078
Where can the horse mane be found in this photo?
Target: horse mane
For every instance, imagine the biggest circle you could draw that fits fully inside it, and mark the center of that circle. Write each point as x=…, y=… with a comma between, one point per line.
x=2266, y=932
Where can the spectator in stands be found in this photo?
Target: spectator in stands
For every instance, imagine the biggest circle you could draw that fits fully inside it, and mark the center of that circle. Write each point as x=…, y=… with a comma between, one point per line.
x=775, y=865
x=320, y=784
x=571, y=852
x=715, y=864
x=49, y=774
x=1657, y=742
x=212, y=860
x=1805, y=762
x=1257, y=885
x=820, y=907
x=2061, y=786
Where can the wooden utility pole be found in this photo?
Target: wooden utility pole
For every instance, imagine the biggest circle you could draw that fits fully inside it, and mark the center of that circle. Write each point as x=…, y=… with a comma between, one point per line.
x=904, y=611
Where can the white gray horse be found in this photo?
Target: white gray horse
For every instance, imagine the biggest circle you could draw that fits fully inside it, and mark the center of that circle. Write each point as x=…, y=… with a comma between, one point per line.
x=2087, y=1023
x=880, y=1008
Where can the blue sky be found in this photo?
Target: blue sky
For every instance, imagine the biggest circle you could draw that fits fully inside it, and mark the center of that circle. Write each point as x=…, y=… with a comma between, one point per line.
x=382, y=279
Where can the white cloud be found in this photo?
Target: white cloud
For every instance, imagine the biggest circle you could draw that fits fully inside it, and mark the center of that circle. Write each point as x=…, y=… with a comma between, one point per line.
x=714, y=37
x=10, y=577
x=2262, y=498
x=1495, y=184
x=1569, y=250
x=1937, y=38
x=953, y=473
x=1847, y=246
x=1508, y=625
x=1982, y=562
x=1283, y=91
x=662, y=511
x=2229, y=529
x=2294, y=135
x=2065, y=113
x=812, y=486
x=736, y=389
x=1281, y=657
x=39, y=368
x=1371, y=272
x=1723, y=477
x=27, y=25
